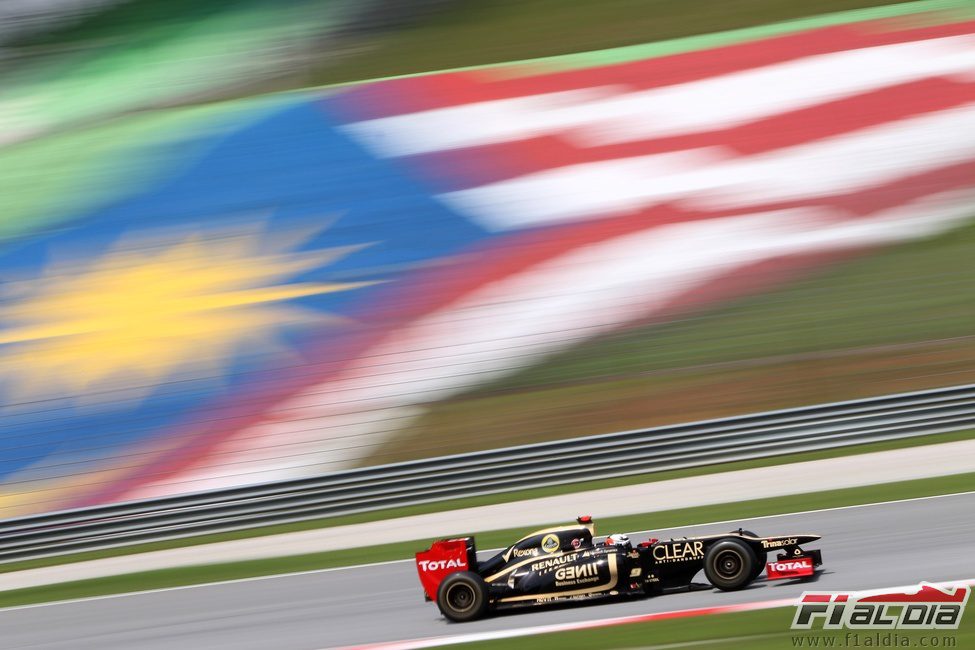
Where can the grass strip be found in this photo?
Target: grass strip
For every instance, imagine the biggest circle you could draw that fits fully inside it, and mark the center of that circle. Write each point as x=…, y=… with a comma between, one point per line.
x=759, y=630
x=581, y=33
x=181, y=576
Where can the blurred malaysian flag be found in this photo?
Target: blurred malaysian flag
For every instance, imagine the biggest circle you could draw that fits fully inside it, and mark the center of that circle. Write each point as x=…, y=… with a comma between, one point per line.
x=564, y=200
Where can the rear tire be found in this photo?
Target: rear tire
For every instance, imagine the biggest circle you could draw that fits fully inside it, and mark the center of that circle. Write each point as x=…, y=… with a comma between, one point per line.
x=730, y=564
x=462, y=597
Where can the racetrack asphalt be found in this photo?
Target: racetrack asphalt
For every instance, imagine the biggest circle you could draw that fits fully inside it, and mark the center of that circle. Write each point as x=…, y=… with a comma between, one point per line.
x=892, y=544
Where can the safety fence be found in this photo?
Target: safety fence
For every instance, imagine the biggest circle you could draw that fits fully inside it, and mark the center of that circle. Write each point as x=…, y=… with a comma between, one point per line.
x=617, y=454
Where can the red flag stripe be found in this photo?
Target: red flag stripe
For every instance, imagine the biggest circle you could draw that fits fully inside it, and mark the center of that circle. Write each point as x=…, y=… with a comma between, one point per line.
x=457, y=168
x=408, y=95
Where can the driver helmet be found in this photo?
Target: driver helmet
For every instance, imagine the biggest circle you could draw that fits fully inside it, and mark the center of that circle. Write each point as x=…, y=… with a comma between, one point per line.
x=618, y=539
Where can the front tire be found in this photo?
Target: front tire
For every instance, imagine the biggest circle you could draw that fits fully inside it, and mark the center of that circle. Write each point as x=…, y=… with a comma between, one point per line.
x=759, y=564
x=462, y=597
x=730, y=564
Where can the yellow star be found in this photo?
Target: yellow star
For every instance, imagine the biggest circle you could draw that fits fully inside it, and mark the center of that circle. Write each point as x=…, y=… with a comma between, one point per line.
x=141, y=314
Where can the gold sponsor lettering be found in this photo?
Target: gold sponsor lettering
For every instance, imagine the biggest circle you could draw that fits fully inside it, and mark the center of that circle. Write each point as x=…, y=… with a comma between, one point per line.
x=584, y=590
x=779, y=543
x=575, y=572
x=678, y=551
x=553, y=562
x=525, y=552
x=579, y=581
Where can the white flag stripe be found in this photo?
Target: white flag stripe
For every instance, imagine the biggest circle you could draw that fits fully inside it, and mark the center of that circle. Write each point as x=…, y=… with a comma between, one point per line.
x=472, y=124
x=839, y=164
x=741, y=97
x=607, y=114
x=595, y=286
x=612, y=282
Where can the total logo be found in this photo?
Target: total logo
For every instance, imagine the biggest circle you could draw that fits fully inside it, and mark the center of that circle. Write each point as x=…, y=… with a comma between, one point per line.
x=440, y=565
x=797, y=568
x=798, y=565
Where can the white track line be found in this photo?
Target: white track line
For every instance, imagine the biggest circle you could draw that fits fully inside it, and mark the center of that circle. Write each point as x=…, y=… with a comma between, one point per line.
x=388, y=562
x=432, y=642
x=709, y=523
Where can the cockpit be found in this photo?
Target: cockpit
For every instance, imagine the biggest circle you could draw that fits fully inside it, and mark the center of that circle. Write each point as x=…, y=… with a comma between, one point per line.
x=544, y=542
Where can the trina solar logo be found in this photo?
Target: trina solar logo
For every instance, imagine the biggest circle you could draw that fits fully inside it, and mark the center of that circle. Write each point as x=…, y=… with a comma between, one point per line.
x=778, y=543
x=928, y=607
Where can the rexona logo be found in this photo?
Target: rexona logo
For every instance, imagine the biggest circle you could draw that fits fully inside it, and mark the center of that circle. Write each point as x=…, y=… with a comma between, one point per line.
x=438, y=565
x=525, y=552
x=927, y=608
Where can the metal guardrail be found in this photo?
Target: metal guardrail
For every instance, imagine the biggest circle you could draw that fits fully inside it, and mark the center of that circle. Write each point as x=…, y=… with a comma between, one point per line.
x=759, y=435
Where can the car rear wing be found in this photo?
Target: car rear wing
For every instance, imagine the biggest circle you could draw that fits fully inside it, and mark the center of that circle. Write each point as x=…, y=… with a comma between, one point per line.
x=445, y=556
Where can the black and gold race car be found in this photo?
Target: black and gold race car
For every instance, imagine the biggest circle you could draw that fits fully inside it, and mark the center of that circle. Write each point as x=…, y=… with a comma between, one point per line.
x=565, y=564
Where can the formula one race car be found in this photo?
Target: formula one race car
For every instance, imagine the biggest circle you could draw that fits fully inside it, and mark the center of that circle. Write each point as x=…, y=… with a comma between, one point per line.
x=564, y=564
